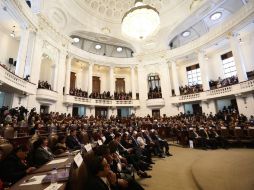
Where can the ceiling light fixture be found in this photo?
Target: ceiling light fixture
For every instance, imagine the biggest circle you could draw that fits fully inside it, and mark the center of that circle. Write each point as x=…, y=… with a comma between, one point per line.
x=216, y=16
x=119, y=49
x=97, y=46
x=141, y=21
x=186, y=33
x=75, y=40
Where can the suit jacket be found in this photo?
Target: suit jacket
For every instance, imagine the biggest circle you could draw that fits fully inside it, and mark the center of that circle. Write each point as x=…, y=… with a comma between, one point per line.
x=96, y=183
x=41, y=156
x=73, y=143
x=12, y=169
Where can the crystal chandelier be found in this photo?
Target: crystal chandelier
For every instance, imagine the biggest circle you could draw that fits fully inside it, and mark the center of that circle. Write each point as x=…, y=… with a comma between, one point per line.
x=141, y=21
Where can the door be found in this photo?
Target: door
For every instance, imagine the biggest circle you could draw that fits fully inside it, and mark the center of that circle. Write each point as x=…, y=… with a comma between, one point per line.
x=73, y=80
x=101, y=112
x=120, y=85
x=96, y=84
x=156, y=113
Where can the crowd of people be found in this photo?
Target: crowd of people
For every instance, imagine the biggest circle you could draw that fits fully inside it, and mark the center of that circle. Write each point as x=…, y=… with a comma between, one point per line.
x=154, y=93
x=129, y=147
x=223, y=82
x=44, y=85
x=187, y=89
x=127, y=142
x=78, y=92
x=122, y=96
x=104, y=95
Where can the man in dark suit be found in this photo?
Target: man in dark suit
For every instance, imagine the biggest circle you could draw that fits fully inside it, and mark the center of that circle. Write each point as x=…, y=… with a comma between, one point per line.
x=102, y=177
x=14, y=167
x=72, y=141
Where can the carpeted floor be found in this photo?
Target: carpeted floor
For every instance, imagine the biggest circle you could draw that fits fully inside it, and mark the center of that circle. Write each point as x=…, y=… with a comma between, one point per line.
x=192, y=169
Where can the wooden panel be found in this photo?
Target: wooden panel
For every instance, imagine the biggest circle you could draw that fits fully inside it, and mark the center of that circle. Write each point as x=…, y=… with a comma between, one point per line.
x=73, y=80
x=120, y=85
x=96, y=84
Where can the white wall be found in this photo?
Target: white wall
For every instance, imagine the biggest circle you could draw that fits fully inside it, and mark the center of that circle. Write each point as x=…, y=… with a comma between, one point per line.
x=5, y=99
x=208, y=107
x=245, y=104
x=248, y=51
x=221, y=103
x=188, y=108
x=46, y=71
x=9, y=47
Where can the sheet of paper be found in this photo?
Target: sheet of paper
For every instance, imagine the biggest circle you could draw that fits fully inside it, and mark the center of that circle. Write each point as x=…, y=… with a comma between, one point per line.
x=54, y=186
x=58, y=161
x=88, y=147
x=35, y=180
x=99, y=142
x=78, y=159
x=103, y=138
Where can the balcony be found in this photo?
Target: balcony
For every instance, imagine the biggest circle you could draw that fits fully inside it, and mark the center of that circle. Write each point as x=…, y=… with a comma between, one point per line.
x=46, y=96
x=159, y=102
x=243, y=87
x=68, y=99
x=10, y=79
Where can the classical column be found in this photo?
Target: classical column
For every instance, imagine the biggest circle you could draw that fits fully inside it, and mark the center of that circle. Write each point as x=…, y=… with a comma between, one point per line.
x=36, y=60
x=61, y=71
x=203, y=70
x=55, y=73
x=90, y=78
x=175, y=78
x=111, y=80
x=165, y=81
x=22, y=53
x=30, y=52
x=68, y=75
x=133, y=83
x=239, y=59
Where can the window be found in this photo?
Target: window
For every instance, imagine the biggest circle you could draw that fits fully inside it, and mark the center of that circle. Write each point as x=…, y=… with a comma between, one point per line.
x=154, y=82
x=228, y=63
x=154, y=86
x=193, y=75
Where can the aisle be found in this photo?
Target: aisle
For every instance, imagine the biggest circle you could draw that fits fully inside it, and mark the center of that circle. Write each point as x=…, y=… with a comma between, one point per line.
x=175, y=173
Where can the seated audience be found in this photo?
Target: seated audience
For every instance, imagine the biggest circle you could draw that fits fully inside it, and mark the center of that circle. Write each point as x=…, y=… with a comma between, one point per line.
x=102, y=178
x=60, y=146
x=14, y=167
x=42, y=153
x=72, y=141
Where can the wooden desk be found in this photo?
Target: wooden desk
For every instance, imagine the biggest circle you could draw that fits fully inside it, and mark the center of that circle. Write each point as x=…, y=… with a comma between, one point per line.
x=48, y=167
x=20, y=184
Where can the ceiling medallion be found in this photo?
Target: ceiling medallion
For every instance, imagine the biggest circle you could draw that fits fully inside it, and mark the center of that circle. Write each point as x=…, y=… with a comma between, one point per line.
x=141, y=21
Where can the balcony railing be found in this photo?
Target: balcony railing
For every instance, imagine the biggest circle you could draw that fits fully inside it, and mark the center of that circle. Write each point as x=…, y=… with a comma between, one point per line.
x=239, y=88
x=15, y=81
x=219, y=91
x=45, y=95
x=190, y=96
x=247, y=84
x=158, y=102
x=99, y=102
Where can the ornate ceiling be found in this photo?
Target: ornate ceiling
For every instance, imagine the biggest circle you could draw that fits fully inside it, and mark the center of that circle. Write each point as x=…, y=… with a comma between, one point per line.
x=113, y=10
